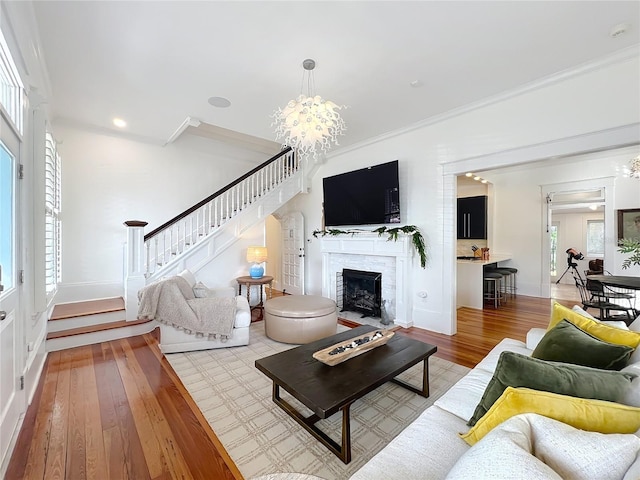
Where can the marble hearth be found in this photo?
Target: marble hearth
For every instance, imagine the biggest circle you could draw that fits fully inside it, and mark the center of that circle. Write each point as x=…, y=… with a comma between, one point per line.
x=373, y=253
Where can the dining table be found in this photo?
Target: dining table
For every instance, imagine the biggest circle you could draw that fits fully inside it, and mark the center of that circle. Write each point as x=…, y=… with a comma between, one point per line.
x=620, y=281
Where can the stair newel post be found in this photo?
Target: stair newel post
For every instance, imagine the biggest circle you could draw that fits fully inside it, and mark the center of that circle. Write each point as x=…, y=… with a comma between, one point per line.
x=135, y=267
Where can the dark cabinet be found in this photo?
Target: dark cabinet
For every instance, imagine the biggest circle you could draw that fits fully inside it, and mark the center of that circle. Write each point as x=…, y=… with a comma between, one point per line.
x=472, y=217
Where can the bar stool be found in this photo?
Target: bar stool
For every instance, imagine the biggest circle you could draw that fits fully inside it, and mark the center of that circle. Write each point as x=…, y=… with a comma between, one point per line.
x=493, y=288
x=512, y=279
x=507, y=279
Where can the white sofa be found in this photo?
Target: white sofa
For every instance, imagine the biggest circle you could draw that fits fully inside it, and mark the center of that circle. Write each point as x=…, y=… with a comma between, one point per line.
x=174, y=340
x=431, y=445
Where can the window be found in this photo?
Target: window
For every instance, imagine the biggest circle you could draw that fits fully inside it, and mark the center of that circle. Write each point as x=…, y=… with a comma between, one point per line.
x=52, y=215
x=11, y=88
x=11, y=114
x=553, y=235
x=595, y=238
x=7, y=177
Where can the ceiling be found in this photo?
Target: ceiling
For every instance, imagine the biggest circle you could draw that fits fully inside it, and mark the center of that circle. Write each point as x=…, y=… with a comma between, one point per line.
x=155, y=63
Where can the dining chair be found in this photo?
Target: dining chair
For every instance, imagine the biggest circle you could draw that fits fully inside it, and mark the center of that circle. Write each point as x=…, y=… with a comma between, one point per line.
x=592, y=296
x=619, y=295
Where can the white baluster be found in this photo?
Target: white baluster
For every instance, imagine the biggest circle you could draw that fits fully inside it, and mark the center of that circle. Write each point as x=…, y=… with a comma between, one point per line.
x=164, y=247
x=199, y=222
x=147, y=253
x=252, y=179
x=156, y=255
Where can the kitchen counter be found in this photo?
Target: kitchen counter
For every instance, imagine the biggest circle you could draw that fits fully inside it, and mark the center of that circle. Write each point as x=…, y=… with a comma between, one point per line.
x=470, y=284
x=478, y=261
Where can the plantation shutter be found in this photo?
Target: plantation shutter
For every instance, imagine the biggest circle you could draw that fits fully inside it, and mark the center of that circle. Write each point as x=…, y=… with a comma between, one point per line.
x=53, y=232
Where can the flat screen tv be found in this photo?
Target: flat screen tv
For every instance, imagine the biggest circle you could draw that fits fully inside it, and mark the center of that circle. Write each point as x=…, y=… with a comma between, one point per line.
x=368, y=196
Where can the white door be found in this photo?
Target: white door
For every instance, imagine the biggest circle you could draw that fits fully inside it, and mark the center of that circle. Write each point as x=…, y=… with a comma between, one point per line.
x=292, y=226
x=11, y=395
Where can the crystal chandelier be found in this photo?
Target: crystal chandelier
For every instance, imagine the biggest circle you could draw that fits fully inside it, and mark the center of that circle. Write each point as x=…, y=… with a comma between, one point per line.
x=634, y=169
x=310, y=124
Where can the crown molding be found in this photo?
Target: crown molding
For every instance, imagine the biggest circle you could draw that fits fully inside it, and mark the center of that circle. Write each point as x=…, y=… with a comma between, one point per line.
x=612, y=138
x=621, y=56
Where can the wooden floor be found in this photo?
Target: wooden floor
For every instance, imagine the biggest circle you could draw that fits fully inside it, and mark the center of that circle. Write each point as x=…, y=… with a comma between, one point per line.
x=481, y=330
x=117, y=410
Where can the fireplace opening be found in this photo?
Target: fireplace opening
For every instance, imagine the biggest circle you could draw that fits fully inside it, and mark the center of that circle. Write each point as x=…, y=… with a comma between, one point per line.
x=361, y=292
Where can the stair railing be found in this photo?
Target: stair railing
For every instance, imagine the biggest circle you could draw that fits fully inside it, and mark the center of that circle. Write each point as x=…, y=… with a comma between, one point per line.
x=174, y=237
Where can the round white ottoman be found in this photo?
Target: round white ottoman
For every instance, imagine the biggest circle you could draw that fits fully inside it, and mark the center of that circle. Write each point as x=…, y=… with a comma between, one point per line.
x=300, y=318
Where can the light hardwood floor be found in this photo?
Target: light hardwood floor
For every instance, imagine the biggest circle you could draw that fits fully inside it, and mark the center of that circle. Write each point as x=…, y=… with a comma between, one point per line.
x=117, y=410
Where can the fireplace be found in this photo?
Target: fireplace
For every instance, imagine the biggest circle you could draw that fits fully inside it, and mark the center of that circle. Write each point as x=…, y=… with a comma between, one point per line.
x=361, y=292
x=370, y=251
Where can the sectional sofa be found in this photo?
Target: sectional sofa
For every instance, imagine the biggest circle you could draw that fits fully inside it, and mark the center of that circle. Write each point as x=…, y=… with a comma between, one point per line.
x=518, y=436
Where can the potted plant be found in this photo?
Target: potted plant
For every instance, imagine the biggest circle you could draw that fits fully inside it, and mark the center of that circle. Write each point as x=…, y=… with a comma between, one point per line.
x=628, y=245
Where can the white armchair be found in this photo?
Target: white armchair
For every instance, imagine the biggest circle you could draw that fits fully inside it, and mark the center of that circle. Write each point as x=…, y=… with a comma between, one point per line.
x=174, y=340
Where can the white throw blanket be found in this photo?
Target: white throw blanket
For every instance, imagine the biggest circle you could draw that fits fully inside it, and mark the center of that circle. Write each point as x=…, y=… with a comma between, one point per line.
x=171, y=301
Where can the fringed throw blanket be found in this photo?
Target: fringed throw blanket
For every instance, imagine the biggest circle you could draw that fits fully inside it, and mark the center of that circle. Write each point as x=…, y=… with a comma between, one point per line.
x=171, y=301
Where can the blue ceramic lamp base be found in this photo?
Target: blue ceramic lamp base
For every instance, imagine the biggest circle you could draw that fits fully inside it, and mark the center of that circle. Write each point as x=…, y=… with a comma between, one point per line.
x=256, y=271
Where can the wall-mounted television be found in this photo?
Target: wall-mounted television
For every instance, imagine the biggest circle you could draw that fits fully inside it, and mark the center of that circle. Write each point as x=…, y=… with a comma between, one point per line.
x=368, y=196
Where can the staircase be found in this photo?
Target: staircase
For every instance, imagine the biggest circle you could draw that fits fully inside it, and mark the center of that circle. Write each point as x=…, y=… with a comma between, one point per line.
x=84, y=323
x=189, y=240
x=219, y=220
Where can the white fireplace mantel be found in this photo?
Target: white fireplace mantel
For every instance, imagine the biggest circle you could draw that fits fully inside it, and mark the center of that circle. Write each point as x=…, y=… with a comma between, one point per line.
x=368, y=248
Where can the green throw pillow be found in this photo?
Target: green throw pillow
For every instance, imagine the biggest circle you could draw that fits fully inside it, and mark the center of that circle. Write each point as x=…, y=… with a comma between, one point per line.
x=516, y=370
x=567, y=343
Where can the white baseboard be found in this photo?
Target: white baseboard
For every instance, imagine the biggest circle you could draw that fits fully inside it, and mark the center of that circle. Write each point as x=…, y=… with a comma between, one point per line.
x=79, y=292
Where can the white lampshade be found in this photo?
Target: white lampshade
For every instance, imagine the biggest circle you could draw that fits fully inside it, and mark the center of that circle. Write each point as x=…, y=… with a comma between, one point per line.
x=256, y=254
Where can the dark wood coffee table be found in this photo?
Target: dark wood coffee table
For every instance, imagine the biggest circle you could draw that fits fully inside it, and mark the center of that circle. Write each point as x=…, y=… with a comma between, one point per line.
x=326, y=390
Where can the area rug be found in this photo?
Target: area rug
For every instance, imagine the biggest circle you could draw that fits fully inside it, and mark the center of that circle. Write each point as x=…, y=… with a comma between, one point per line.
x=235, y=398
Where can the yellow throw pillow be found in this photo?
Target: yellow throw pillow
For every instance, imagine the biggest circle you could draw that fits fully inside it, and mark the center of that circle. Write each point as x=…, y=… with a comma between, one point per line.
x=597, y=329
x=585, y=414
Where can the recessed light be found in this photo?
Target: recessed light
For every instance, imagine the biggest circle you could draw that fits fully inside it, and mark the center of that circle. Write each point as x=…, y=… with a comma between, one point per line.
x=219, y=102
x=468, y=174
x=118, y=122
x=483, y=181
x=476, y=178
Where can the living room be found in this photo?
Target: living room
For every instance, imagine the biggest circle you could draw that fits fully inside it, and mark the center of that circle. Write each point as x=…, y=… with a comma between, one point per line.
x=584, y=116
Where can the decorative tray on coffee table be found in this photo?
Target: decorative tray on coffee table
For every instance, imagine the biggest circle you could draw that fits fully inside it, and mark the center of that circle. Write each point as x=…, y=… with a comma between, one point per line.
x=352, y=347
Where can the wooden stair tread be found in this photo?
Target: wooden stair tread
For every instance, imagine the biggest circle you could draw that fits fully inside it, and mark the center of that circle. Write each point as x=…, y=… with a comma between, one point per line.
x=91, y=307
x=95, y=328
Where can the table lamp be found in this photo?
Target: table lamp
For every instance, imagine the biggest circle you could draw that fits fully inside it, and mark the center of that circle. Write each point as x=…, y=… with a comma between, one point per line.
x=256, y=255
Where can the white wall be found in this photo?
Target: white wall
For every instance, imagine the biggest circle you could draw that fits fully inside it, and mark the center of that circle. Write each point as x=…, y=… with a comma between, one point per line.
x=107, y=180
x=594, y=101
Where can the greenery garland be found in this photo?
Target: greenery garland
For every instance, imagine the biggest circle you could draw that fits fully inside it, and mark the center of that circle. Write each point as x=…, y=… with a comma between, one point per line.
x=416, y=237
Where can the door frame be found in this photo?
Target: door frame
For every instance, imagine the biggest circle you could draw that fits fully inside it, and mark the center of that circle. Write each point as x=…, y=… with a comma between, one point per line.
x=607, y=184
x=12, y=413
x=299, y=234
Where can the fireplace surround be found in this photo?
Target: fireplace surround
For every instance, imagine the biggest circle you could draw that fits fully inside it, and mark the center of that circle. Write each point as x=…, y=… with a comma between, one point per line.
x=365, y=251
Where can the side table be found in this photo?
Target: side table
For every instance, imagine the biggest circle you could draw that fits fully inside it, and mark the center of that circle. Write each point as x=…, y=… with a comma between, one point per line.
x=248, y=282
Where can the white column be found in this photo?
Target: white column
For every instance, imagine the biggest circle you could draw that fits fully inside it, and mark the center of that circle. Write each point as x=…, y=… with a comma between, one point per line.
x=134, y=267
